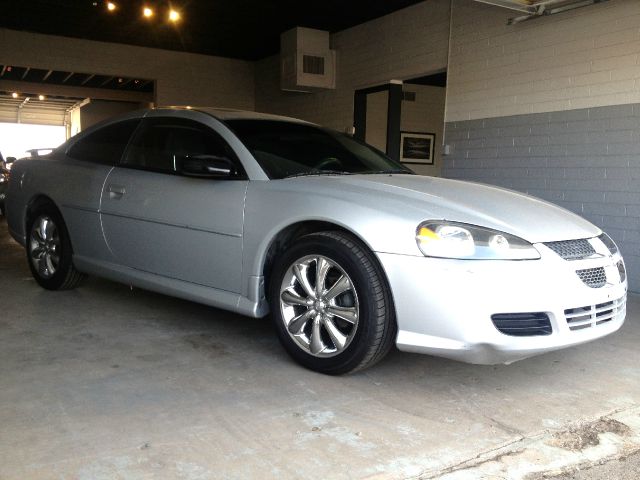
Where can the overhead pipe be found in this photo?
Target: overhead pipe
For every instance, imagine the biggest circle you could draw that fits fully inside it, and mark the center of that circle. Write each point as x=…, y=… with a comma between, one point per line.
x=543, y=10
x=548, y=7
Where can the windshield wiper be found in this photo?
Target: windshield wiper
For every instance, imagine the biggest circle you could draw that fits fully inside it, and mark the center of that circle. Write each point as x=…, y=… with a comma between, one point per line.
x=318, y=172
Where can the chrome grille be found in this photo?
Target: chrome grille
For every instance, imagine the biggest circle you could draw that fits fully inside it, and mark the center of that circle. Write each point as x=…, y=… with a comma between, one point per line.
x=593, y=277
x=592, y=315
x=572, y=249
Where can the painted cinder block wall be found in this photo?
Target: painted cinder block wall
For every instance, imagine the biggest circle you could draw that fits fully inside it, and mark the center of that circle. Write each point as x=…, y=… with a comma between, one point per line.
x=551, y=107
x=181, y=78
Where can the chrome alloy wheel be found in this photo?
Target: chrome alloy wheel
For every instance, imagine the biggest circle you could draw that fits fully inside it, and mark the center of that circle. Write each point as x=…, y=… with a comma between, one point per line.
x=319, y=305
x=44, y=246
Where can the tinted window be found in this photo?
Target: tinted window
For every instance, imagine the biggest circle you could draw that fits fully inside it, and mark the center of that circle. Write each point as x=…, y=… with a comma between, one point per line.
x=159, y=141
x=286, y=148
x=106, y=145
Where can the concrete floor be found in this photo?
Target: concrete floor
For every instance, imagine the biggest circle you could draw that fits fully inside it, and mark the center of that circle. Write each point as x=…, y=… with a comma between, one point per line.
x=106, y=382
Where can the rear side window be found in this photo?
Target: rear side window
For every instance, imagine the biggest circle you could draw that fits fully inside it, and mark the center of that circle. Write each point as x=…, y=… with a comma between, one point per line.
x=106, y=145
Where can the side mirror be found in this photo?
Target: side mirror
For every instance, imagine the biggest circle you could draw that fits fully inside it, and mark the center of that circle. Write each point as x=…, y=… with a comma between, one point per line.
x=211, y=166
x=10, y=160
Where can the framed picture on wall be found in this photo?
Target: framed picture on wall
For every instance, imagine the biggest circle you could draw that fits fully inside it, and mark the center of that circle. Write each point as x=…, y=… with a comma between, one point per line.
x=417, y=147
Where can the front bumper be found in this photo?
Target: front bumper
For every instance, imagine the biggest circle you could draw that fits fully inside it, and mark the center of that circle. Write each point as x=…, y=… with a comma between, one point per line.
x=444, y=306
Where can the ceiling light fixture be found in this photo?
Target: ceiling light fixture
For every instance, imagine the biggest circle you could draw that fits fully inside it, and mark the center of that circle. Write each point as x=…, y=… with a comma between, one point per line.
x=174, y=16
x=147, y=12
x=111, y=6
x=41, y=98
x=14, y=95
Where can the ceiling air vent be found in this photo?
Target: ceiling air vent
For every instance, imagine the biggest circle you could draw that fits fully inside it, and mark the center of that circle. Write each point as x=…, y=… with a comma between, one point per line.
x=306, y=61
x=313, y=65
x=409, y=96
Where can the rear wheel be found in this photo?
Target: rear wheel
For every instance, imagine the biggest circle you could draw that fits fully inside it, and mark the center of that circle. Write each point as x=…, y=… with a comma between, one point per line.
x=49, y=250
x=331, y=305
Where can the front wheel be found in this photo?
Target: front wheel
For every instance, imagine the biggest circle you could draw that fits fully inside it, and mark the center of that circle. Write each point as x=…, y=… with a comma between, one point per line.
x=331, y=304
x=49, y=251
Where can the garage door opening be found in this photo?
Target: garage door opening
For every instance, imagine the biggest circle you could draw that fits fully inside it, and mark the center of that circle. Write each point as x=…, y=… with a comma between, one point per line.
x=72, y=100
x=18, y=139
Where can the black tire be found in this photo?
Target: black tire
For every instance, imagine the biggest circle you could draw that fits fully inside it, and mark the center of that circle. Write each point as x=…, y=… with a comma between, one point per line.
x=64, y=275
x=375, y=330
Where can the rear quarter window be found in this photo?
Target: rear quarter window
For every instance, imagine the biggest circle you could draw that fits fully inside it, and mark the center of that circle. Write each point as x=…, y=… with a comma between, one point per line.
x=106, y=145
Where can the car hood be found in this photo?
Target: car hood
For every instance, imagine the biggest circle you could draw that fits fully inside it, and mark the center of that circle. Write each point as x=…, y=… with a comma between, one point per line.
x=432, y=198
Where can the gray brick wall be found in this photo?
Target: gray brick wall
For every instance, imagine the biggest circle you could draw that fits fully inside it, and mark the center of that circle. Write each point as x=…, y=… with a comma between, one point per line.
x=586, y=160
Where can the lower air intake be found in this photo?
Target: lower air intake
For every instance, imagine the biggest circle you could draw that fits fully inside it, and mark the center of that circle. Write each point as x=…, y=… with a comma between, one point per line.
x=522, y=324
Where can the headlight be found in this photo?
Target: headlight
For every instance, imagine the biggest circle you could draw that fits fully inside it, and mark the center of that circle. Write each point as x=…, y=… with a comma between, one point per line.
x=460, y=240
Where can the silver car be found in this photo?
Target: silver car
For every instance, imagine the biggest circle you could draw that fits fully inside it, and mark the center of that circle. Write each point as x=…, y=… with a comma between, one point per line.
x=350, y=251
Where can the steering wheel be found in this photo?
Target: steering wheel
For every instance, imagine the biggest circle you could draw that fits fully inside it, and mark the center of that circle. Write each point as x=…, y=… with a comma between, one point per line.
x=325, y=162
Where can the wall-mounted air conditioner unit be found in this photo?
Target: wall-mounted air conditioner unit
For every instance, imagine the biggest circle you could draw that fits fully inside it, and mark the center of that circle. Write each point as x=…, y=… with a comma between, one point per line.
x=306, y=61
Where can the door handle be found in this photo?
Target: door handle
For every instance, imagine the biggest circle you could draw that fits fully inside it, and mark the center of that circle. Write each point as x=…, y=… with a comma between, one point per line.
x=116, y=192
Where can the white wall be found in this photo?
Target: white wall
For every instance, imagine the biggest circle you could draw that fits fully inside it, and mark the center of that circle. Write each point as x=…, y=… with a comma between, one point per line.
x=376, y=134
x=405, y=44
x=98, y=110
x=425, y=115
x=588, y=57
x=182, y=78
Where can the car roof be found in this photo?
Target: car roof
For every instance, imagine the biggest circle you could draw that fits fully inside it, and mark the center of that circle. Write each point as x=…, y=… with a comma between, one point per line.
x=221, y=114
x=232, y=114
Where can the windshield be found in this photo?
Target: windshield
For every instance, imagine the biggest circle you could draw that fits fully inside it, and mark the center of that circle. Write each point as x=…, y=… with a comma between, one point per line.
x=286, y=149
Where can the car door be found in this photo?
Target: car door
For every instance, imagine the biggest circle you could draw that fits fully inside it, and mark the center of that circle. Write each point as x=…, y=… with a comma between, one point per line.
x=156, y=220
x=78, y=178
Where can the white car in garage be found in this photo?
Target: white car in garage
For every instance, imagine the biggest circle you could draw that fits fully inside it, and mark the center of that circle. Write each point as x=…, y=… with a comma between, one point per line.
x=349, y=251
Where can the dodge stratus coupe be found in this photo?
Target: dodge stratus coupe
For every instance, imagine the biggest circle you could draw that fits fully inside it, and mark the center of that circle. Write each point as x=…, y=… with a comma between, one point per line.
x=349, y=251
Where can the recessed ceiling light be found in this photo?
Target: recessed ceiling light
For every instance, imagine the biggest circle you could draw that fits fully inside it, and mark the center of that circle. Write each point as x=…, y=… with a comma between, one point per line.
x=111, y=6
x=147, y=12
x=174, y=15
x=14, y=95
